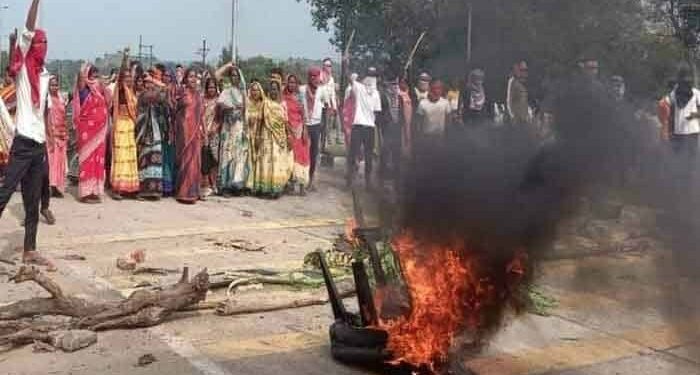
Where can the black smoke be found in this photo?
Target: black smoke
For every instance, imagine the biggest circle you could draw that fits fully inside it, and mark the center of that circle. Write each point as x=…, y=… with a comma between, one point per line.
x=502, y=188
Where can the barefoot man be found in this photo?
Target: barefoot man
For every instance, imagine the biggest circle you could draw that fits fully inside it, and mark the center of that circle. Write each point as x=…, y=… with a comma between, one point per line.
x=28, y=154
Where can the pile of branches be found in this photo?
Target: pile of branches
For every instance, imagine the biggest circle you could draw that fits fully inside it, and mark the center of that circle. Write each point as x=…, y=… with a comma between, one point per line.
x=60, y=320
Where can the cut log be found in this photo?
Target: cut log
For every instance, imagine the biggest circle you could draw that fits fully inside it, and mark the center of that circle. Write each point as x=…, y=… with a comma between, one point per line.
x=141, y=309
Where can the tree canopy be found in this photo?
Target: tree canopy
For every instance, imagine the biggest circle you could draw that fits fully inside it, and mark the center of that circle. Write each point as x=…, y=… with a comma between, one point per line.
x=551, y=34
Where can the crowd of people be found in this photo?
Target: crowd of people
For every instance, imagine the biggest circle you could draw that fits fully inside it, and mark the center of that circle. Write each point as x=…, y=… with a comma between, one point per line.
x=188, y=133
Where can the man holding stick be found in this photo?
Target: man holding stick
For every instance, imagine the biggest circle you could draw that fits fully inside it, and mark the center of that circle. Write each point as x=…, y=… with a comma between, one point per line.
x=28, y=153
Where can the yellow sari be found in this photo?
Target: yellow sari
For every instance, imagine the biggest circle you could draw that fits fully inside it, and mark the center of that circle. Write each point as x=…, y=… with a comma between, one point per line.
x=270, y=156
x=125, y=171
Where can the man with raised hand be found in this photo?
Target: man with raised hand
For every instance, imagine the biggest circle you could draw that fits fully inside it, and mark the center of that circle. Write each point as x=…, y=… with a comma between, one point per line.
x=28, y=153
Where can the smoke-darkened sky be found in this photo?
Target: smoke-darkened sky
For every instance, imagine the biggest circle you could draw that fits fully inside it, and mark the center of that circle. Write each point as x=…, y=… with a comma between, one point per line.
x=85, y=29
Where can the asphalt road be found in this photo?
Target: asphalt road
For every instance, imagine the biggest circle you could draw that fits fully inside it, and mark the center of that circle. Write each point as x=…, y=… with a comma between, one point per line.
x=618, y=313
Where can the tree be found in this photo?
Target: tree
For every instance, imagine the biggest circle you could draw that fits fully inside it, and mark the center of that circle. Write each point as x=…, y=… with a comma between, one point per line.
x=552, y=34
x=682, y=17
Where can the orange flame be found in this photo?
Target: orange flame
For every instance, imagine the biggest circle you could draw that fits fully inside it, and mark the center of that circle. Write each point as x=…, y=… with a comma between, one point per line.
x=448, y=294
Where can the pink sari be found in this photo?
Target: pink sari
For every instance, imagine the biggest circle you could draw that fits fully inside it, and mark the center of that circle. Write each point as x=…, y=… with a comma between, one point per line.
x=57, y=148
x=90, y=118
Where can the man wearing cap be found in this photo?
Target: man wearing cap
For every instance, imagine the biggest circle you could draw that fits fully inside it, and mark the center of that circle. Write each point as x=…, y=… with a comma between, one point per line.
x=28, y=154
x=367, y=103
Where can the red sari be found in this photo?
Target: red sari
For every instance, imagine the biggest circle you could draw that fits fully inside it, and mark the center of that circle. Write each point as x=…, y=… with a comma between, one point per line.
x=90, y=118
x=189, y=125
x=298, y=138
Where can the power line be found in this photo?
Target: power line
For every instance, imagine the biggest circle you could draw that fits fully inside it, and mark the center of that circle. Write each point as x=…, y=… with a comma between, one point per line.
x=142, y=55
x=203, y=52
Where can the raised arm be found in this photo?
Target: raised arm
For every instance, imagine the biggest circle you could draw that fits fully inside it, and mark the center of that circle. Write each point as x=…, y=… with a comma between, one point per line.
x=125, y=60
x=219, y=74
x=32, y=16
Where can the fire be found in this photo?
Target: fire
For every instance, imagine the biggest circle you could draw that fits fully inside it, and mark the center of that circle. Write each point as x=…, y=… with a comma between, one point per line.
x=449, y=290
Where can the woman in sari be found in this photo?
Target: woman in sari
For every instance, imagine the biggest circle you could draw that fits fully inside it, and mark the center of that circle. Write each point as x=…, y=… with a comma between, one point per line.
x=153, y=112
x=189, y=125
x=232, y=149
x=57, y=145
x=125, y=171
x=298, y=137
x=211, y=128
x=90, y=119
x=167, y=131
x=8, y=99
x=270, y=156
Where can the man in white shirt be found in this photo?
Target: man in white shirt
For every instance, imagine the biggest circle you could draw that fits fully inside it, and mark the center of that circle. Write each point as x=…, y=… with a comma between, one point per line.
x=28, y=154
x=367, y=103
x=680, y=117
x=316, y=98
x=434, y=112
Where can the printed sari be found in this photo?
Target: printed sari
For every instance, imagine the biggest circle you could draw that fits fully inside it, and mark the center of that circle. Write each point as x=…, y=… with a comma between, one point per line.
x=153, y=113
x=167, y=131
x=8, y=96
x=189, y=120
x=124, y=172
x=270, y=157
x=211, y=130
x=232, y=148
x=58, y=146
x=90, y=119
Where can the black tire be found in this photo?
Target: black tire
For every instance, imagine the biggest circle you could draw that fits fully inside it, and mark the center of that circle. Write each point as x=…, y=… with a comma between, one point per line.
x=346, y=335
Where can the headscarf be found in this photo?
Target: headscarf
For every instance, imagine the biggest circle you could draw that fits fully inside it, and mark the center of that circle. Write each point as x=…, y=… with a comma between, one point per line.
x=130, y=100
x=477, y=98
x=268, y=114
x=295, y=106
x=57, y=113
x=34, y=62
x=93, y=85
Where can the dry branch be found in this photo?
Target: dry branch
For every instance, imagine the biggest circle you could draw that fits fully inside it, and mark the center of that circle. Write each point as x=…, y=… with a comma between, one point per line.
x=141, y=309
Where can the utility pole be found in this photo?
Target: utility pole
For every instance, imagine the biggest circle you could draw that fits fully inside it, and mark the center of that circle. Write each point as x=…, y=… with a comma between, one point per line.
x=203, y=52
x=234, y=30
x=470, y=11
x=142, y=47
x=2, y=41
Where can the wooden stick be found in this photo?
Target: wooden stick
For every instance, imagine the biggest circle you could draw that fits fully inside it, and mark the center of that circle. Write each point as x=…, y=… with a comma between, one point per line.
x=318, y=298
x=414, y=51
x=349, y=44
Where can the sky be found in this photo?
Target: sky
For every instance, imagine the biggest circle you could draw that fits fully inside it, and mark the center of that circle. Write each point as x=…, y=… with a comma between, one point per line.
x=82, y=29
